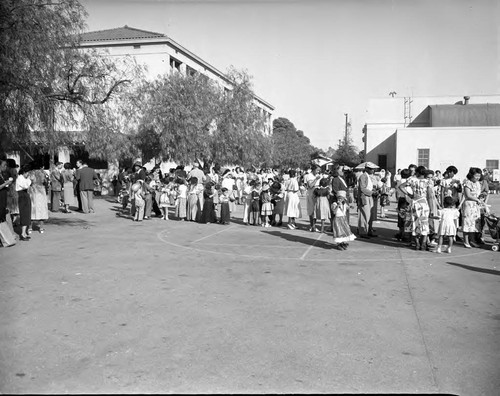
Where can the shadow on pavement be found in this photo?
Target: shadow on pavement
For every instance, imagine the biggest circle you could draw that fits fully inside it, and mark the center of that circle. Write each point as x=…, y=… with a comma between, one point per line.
x=301, y=239
x=68, y=221
x=476, y=269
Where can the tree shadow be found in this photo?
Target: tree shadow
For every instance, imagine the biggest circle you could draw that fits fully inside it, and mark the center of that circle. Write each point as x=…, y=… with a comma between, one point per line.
x=476, y=269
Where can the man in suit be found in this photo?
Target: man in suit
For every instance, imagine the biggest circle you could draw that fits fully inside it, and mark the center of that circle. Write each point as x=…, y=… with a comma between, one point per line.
x=365, y=202
x=85, y=177
x=56, y=186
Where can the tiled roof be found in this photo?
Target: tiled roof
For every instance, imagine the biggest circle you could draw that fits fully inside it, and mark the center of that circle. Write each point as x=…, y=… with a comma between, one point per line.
x=121, y=33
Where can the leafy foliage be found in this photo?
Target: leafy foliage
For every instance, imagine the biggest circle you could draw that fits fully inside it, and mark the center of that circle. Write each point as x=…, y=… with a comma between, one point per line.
x=292, y=149
x=192, y=119
x=47, y=84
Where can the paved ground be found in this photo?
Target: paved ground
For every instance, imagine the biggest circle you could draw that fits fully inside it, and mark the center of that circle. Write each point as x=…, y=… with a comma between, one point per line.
x=100, y=304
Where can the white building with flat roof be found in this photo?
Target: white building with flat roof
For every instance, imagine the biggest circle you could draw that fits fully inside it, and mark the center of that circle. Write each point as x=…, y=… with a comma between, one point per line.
x=434, y=131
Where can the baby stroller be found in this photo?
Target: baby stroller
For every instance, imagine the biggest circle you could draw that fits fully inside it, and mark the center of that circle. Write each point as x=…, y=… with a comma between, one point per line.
x=493, y=224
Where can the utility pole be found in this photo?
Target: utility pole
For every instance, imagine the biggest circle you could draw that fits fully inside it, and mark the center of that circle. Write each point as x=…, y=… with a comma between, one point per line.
x=345, y=137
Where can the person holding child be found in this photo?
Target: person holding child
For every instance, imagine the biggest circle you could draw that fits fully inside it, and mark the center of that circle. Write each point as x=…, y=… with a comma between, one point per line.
x=267, y=207
x=322, y=205
x=342, y=234
x=208, y=213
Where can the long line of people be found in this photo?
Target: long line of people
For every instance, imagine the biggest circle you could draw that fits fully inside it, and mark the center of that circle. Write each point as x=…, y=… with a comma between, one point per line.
x=431, y=207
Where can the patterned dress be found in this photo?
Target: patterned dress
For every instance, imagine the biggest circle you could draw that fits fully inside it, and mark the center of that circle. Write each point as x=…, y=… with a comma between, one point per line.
x=38, y=195
x=419, y=207
x=470, y=209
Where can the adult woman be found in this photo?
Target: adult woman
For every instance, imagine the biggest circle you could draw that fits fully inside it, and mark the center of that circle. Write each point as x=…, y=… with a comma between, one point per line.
x=240, y=178
x=69, y=196
x=23, y=184
x=292, y=206
x=38, y=195
x=5, y=182
x=450, y=186
x=419, y=184
x=229, y=183
x=12, y=203
x=471, y=207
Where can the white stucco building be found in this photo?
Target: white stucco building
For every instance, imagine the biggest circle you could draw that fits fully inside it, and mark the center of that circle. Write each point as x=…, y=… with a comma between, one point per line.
x=160, y=54
x=434, y=131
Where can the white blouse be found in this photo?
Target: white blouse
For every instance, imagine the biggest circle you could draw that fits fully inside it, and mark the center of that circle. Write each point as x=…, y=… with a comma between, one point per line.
x=22, y=183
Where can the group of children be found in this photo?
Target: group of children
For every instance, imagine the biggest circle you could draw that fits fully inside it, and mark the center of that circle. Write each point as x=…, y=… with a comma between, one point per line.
x=265, y=203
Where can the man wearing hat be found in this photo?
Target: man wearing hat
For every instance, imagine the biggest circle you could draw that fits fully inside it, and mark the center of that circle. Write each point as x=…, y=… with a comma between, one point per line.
x=365, y=201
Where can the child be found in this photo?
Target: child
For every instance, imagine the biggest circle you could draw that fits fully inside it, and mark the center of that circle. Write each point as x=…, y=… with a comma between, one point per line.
x=267, y=207
x=277, y=199
x=448, y=223
x=322, y=206
x=140, y=200
x=164, y=200
x=181, y=200
x=224, y=206
x=341, y=230
x=254, y=206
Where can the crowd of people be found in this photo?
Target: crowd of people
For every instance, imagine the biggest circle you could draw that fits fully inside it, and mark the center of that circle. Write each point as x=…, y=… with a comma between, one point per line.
x=431, y=207
x=26, y=191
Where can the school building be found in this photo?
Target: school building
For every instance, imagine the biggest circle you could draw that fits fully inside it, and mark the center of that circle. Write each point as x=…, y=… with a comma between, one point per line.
x=435, y=132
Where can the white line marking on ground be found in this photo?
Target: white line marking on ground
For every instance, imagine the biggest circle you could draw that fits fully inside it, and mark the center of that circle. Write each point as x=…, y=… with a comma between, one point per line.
x=339, y=258
x=211, y=235
x=310, y=247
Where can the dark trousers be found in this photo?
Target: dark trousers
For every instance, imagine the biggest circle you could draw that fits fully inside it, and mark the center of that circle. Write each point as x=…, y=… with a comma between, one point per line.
x=78, y=197
x=55, y=201
x=24, y=201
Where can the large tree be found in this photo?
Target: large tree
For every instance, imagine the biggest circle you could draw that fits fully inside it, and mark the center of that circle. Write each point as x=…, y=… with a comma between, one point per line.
x=47, y=84
x=291, y=147
x=192, y=118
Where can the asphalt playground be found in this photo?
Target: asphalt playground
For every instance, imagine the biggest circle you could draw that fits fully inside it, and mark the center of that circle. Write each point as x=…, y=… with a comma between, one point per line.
x=101, y=304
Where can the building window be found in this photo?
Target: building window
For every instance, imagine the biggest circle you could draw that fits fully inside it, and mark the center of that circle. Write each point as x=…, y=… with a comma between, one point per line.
x=190, y=71
x=491, y=164
x=382, y=161
x=423, y=157
x=175, y=64
x=137, y=46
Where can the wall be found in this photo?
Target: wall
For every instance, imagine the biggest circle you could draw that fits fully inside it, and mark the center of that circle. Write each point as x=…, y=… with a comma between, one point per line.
x=462, y=147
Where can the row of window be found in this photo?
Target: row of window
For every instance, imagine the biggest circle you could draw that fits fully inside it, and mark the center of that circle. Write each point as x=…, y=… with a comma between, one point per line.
x=423, y=158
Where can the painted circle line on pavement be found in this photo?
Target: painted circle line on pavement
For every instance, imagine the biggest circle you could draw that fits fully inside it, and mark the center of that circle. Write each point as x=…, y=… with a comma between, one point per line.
x=336, y=255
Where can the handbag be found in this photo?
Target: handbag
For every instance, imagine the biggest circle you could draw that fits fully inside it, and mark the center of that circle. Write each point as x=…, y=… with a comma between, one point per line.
x=6, y=236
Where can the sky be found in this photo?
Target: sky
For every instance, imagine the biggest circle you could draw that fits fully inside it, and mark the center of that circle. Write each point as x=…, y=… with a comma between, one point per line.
x=316, y=60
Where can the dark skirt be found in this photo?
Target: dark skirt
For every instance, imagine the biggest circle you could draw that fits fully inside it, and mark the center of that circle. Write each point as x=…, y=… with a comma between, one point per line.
x=24, y=208
x=208, y=212
x=224, y=212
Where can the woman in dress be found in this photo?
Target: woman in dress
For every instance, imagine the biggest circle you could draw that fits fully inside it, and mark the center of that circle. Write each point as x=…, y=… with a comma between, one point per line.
x=68, y=192
x=12, y=203
x=293, y=209
x=23, y=186
x=471, y=210
x=38, y=195
x=419, y=186
x=208, y=212
x=322, y=203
